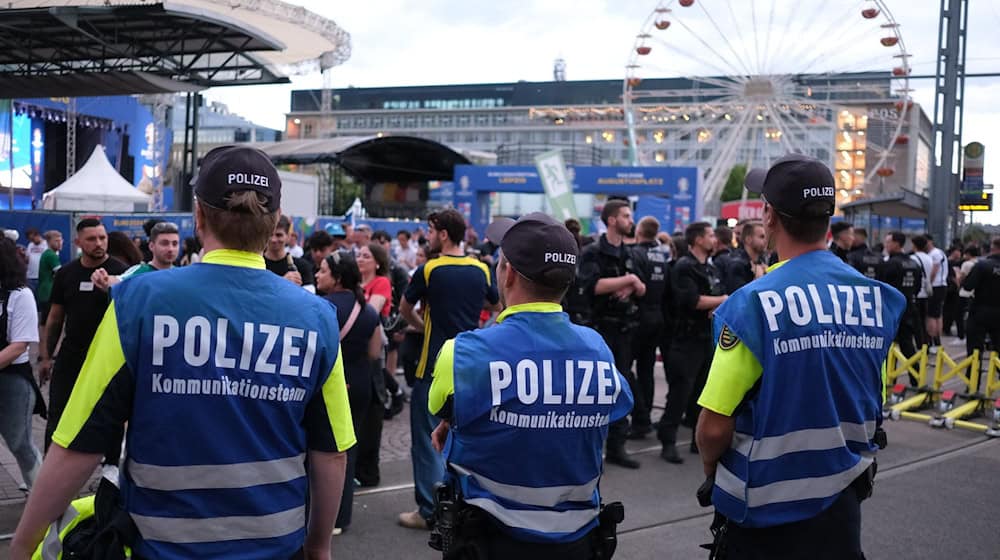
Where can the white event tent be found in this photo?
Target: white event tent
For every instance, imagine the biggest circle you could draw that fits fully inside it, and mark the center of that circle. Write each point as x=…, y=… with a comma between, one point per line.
x=97, y=187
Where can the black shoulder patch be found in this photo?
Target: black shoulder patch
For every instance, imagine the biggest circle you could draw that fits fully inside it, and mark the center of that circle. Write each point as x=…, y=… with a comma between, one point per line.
x=728, y=339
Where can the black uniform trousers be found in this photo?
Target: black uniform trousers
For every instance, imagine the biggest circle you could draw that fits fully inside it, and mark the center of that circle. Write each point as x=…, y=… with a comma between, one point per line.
x=982, y=321
x=618, y=337
x=834, y=534
x=499, y=546
x=647, y=339
x=369, y=434
x=906, y=335
x=687, y=366
x=65, y=371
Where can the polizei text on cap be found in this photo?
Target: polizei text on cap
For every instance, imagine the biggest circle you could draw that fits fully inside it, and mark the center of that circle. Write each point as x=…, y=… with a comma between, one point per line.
x=248, y=179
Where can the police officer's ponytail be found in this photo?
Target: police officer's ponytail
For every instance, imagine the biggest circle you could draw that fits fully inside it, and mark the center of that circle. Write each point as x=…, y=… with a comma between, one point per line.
x=344, y=268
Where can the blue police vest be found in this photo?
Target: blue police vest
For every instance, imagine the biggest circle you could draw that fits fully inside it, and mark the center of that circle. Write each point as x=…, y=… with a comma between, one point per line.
x=821, y=332
x=216, y=448
x=533, y=399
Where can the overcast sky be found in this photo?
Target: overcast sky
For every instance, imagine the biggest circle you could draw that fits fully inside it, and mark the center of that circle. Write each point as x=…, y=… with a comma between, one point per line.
x=420, y=42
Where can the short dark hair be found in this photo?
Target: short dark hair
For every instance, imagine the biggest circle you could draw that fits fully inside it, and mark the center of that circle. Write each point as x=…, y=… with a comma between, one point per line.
x=450, y=221
x=284, y=223
x=573, y=225
x=972, y=251
x=86, y=223
x=648, y=227
x=861, y=231
x=161, y=228
x=920, y=242
x=694, y=231
x=32, y=231
x=839, y=227
x=404, y=233
x=381, y=235
x=897, y=237
x=147, y=226
x=319, y=239
x=611, y=209
x=811, y=226
x=749, y=229
x=725, y=235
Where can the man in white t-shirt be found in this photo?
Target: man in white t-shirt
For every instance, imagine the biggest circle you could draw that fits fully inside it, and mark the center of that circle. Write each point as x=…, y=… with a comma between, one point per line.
x=925, y=296
x=36, y=246
x=939, y=287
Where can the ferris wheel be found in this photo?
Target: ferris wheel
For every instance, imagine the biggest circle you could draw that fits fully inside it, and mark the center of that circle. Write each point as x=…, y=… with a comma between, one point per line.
x=717, y=83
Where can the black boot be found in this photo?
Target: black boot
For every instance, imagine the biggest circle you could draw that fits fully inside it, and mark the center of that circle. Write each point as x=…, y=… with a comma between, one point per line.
x=617, y=456
x=670, y=455
x=639, y=431
x=694, y=447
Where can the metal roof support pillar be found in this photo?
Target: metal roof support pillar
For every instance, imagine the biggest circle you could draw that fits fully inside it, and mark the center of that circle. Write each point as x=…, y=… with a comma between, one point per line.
x=184, y=195
x=948, y=110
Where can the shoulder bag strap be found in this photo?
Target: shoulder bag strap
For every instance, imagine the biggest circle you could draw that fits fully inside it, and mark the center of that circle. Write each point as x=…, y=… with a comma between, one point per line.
x=350, y=320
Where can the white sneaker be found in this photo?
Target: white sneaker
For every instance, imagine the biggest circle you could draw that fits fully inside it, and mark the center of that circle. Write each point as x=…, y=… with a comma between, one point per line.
x=932, y=350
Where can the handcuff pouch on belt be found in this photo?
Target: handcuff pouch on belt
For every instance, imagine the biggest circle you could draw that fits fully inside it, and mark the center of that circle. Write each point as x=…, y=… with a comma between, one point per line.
x=605, y=537
x=460, y=530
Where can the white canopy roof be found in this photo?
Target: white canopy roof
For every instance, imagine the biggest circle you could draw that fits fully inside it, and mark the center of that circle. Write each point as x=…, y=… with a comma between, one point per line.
x=96, y=187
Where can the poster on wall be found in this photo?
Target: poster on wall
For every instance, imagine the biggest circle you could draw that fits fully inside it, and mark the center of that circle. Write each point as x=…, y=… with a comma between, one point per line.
x=15, y=148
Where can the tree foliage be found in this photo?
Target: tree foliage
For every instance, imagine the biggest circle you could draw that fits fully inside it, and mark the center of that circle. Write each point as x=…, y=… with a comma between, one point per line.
x=734, y=184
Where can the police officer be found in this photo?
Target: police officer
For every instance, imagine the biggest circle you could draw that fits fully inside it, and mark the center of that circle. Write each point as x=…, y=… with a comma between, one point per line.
x=608, y=274
x=749, y=261
x=984, y=313
x=906, y=275
x=794, y=396
x=842, y=239
x=696, y=291
x=651, y=263
x=861, y=257
x=525, y=407
x=226, y=394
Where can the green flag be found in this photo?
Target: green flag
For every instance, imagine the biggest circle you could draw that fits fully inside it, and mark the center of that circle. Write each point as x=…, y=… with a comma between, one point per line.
x=558, y=187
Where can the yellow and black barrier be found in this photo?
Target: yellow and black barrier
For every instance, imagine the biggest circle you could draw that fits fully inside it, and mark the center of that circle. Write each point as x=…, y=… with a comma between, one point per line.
x=967, y=371
x=905, y=399
x=982, y=400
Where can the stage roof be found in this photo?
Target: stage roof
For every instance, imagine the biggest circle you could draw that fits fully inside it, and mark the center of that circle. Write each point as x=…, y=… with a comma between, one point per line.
x=373, y=159
x=109, y=47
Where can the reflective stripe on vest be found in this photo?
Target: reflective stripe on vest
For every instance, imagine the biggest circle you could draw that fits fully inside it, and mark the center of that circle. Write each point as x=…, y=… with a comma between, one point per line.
x=788, y=490
x=535, y=520
x=51, y=547
x=214, y=529
x=209, y=477
x=814, y=439
x=549, y=496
